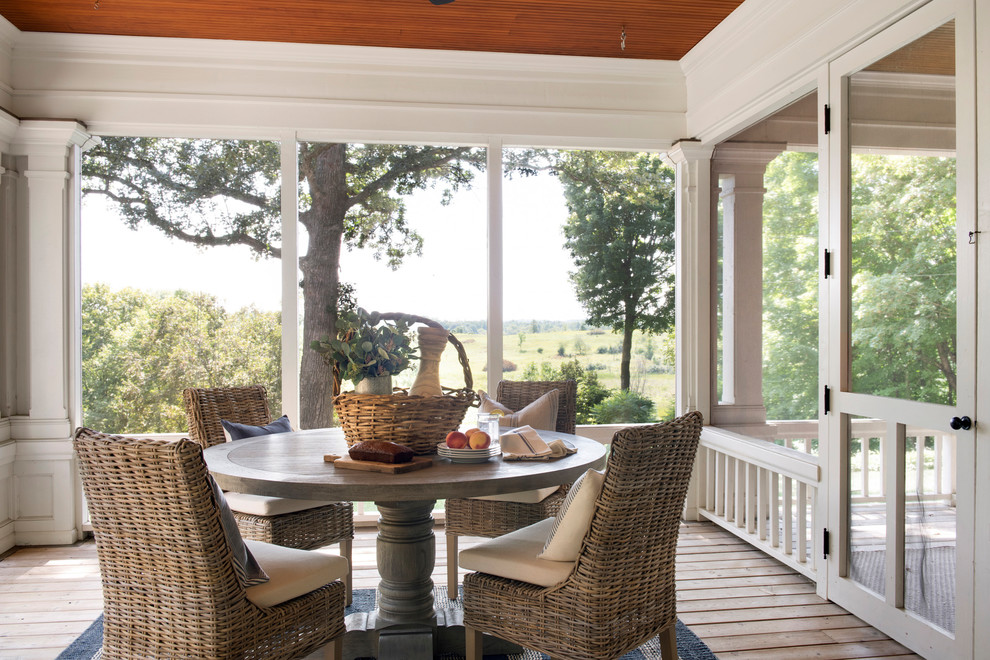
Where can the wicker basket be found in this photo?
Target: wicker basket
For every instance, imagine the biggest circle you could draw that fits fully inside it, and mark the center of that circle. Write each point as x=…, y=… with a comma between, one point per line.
x=417, y=422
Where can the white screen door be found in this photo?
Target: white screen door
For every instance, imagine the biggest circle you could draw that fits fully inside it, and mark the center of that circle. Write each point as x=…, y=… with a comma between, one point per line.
x=901, y=337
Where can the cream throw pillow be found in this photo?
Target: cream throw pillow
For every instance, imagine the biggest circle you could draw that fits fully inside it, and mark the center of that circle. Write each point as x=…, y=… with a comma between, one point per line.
x=574, y=518
x=540, y=414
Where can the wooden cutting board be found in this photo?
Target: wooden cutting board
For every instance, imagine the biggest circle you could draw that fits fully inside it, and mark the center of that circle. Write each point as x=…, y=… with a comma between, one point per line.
x=418, y=463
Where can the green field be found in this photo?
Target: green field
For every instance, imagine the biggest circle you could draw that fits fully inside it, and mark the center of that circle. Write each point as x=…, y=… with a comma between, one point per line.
x=651, y=369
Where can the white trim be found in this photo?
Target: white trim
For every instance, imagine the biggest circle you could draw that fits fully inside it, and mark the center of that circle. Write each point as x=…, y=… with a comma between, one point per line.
x=981, y=27
x=784, y=461
x=290, y=277
x=767, y=53
x=496, y=265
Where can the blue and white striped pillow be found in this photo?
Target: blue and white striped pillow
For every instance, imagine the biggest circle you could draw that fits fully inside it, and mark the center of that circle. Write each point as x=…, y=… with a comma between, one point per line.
x=574, y=518
x=247, y=569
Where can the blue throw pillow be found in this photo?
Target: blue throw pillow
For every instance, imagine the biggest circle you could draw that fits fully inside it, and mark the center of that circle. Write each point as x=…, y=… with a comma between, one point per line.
x=247, y=569
x=236, y=431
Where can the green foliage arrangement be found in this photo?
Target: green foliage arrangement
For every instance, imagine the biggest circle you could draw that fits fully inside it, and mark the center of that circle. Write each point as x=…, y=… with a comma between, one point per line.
x=590, y=391
x=625, y=406
x=368, y=346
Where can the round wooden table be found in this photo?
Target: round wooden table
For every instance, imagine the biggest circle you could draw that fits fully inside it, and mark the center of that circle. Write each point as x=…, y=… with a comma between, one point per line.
x=291, y=465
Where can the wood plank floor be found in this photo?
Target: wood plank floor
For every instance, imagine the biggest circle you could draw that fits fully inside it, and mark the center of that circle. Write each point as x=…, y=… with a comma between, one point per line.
x=740, y=602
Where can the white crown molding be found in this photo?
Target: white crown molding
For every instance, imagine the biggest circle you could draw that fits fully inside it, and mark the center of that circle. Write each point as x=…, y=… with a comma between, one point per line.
x=332, y=58
x=139, y=85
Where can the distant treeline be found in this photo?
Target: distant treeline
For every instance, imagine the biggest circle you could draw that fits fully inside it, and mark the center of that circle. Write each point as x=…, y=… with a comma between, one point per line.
x=515, y=326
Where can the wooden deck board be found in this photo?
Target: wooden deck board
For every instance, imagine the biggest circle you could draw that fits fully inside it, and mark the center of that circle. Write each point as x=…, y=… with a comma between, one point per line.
x=740, y=602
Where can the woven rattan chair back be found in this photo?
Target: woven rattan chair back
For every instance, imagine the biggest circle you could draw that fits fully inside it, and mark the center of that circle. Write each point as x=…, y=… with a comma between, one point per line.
x=489, y=518
x=621, y=592
x=206, y=406
x=169, y=588
x=517, y=394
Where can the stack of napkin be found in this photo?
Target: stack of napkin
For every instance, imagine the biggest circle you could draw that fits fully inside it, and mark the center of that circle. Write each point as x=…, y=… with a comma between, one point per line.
x=525, y=444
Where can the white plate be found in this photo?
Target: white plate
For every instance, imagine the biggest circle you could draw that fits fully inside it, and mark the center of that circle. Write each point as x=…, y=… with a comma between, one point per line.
x=469, y=459
x=467, y=455
x=442, y=448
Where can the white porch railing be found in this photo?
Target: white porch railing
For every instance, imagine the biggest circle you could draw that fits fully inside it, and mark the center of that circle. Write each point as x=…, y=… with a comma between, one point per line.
x=762, y=492
x=766, y=491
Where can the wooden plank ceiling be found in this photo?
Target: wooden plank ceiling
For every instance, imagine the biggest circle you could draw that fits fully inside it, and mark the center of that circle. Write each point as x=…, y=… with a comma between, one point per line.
x=655, y=29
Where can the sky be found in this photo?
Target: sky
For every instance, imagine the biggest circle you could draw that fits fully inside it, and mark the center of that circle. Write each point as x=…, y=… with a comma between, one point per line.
x=447, y=282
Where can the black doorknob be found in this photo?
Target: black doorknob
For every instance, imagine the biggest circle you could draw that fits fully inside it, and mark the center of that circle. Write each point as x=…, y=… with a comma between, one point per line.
x=964, y=423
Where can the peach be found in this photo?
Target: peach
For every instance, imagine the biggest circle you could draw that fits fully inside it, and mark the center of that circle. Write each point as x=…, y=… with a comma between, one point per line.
x=470, y=431
x=479, y=440
x=456, y=440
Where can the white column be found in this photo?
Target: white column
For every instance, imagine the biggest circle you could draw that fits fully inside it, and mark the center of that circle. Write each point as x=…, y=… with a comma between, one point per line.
x=738, y=168
x=692, y=292
x=8, y=318
x=495, y=265
x=692, y=289
x=290, y=278
x=46, y=492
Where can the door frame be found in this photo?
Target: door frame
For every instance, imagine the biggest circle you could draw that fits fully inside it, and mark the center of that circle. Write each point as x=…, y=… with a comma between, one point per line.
x=905, y=627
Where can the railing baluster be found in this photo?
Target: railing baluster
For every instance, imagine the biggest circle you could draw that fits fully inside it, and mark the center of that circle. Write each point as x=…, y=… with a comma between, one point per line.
x=864, y=460
x=883, y=465
x=775, y=509
x=802, y=521
x=939, y=443
x=730, y=487
x=720, y=480
x=788, y=515
x=919, y=463
x=762, y=503
x=752, y=488
x=701, y=469
x=739, y=506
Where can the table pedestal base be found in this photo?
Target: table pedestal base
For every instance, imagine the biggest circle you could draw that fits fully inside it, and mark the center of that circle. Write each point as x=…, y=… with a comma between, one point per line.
x=364, y=640
x=405, y=624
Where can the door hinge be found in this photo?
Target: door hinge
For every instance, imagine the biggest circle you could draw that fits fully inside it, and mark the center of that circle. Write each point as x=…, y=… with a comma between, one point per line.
x=828, y=264
x=828, y=120
x=825, y=543
x=828, y=399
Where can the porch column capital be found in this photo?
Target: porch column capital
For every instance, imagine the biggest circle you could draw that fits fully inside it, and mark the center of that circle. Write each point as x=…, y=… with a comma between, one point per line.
x=685, y=151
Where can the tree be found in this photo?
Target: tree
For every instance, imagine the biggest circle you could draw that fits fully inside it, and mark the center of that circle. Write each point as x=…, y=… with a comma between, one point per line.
x=790, y=287
x=590, y=391
x=904, y=277
x=903, y=286
x=226, y=192
x=140, y=350
x=620, y=233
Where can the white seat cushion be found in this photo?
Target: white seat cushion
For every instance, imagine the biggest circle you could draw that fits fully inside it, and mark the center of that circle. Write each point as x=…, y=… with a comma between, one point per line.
x=523, y=497
x=514, y=556
x=292, y=572
x=262, y=505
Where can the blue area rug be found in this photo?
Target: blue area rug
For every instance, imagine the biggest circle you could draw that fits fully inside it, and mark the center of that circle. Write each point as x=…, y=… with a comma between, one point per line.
x=689, y=647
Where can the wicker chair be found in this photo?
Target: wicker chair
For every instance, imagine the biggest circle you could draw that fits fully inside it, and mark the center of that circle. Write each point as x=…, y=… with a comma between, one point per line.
x=169, y=587
x=491, y=518
x=307, y=529
x=621, y=590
